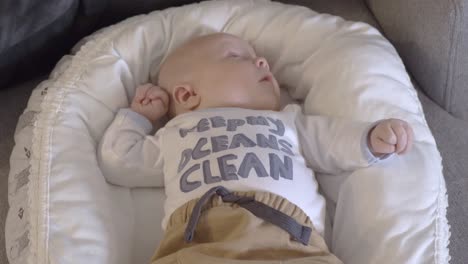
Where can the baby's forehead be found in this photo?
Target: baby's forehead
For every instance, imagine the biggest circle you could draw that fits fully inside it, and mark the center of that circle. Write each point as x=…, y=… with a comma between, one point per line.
x=224, y=42
x=205, y=46
x=232, y=41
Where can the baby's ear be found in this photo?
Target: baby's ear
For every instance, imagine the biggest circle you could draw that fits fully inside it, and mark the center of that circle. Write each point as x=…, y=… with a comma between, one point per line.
x=185, y=96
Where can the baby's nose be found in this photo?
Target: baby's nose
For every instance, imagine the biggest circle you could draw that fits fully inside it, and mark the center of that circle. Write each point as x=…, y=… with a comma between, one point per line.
x=262, y=63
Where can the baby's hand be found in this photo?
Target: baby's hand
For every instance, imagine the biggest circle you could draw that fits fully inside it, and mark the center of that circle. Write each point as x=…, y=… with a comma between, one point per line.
x=389, y=136
x=151, y=101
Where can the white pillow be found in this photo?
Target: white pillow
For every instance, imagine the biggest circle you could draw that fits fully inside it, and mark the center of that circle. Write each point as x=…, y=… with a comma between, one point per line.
x=393, y=212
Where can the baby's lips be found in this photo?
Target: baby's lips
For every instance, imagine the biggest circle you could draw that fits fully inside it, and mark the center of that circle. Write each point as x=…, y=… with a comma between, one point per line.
x=266, y=78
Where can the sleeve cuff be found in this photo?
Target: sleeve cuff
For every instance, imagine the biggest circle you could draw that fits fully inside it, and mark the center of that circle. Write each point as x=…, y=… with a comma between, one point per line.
x=371, y=158
x=129, y=116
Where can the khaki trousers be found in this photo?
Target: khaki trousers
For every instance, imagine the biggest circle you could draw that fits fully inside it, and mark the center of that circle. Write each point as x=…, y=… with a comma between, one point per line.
x=227, y=233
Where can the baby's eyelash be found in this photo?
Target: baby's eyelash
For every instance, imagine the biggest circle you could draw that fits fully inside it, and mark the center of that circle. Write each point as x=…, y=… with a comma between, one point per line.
x=232, y=54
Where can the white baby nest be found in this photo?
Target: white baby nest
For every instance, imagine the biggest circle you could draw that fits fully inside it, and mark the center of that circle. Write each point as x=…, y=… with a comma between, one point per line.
x=393, y=212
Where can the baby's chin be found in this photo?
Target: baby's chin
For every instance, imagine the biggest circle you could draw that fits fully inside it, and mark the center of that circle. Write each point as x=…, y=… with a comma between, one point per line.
x=270, y=107
x=263, y=105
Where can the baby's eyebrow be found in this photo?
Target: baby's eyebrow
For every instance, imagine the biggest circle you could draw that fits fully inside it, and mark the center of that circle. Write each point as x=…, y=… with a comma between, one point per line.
x=226, y=47
x=228, y=51
x=230, y=47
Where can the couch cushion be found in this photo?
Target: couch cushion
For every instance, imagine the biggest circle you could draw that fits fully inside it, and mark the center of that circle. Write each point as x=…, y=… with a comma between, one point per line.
x=119, y=9
x=354, y=10
x=28, y=30
x=432, y=38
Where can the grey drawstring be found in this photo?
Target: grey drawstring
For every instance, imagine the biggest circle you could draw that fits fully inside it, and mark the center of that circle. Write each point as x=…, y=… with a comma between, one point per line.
x=297, y=231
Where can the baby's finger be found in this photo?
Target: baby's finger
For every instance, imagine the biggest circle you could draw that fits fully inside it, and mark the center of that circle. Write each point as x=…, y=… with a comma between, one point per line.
x=141, y=92
x=380, y=146
x=385, y=133
x=410, y=137
x=160, y=94
x=154, y=93
x=154, y=90
x=400, y=133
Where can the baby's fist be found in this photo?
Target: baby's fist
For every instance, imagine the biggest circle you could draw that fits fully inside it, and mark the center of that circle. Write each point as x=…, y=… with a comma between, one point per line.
x=390, y=136
x=151, y=101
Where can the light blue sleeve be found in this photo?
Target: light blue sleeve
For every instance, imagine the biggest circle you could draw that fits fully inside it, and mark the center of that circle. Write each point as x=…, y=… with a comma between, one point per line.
x=332, y=145
x=127, y=155
x=371, y=158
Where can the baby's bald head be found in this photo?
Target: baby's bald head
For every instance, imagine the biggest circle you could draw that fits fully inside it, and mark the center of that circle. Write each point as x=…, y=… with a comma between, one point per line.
x=216, y=70
x=180, y=66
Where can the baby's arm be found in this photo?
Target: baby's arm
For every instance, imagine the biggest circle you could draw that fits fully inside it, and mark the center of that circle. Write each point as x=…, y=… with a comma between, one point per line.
x=127, y=155
x=332, y=145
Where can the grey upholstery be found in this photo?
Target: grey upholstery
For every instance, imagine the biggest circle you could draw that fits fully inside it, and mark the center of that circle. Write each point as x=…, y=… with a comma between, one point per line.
x=27, y=28
x=430, y=35
x=432, y=38
x=355, y=10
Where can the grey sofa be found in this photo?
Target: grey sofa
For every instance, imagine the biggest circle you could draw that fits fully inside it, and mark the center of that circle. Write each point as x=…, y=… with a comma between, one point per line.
x=430, y=35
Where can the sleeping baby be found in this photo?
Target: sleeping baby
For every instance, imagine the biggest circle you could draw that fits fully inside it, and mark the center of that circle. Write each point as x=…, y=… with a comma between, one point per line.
x=238, y=170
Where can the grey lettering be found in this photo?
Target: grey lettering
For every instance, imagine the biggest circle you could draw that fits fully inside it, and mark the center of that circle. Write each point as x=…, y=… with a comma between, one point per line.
x=197, y=152
x=271, y=142
x=219, y=143
x=279, y=127
x=187, y=186
x=286, y=147
x=227, y=171
x=278, y=168
x=252, y=161
x=217, y=121
x=257, y=120
x=232, y=124
x=184, y=131
x=203, y=125
x=241, y=139
x=184, y=159
x=207, y=176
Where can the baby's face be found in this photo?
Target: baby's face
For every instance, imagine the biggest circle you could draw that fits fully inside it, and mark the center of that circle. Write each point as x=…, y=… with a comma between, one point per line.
x=231, y=74
x=225, y=72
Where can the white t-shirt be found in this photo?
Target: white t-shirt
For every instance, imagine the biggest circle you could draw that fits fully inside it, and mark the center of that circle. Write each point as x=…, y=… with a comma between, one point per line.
x=241, y=149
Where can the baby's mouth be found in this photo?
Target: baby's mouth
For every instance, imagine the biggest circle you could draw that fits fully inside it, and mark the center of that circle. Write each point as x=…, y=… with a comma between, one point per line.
x=266, y=78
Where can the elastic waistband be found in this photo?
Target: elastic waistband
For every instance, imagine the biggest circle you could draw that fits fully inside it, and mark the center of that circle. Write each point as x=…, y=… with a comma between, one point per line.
x=182, y=214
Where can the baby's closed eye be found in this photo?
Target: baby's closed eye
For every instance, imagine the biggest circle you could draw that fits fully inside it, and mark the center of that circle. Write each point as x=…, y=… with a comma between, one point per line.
x=232, y=54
